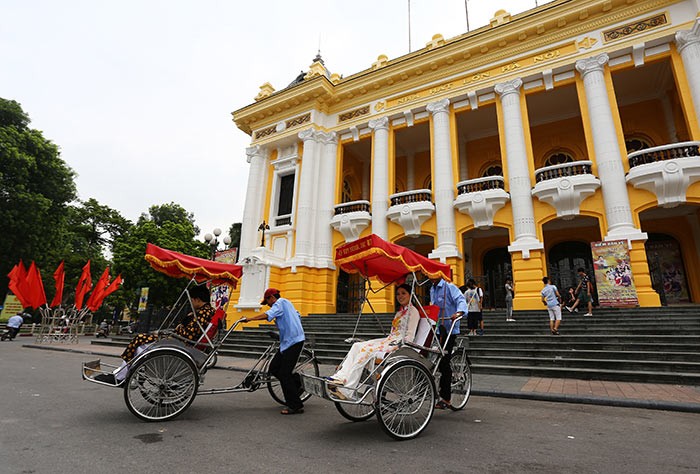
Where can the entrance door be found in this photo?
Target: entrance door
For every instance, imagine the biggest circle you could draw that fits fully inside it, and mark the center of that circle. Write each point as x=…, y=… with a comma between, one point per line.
x=350, y=291
x=666, y=268
x=564, y=259
x=497, y=267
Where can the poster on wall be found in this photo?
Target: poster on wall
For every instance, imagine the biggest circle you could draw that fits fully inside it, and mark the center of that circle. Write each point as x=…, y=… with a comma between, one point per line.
x=613, y=275
x=665, y=255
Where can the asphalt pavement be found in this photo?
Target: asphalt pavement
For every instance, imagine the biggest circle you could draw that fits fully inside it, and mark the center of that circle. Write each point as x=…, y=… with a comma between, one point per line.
x=671, y=397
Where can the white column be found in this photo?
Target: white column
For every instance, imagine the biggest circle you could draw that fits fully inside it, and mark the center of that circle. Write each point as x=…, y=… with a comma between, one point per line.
x=607, y=151
x=519, y=184
x=443, y=182
x=306, y=208
x=688, y=42
x=380, y=176
x=254, y=199
x=410, y=171
x=326, y=198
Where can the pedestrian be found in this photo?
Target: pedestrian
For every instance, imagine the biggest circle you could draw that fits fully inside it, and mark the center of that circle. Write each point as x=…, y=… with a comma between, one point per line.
x=510, y=294
x=552, y=300
x=14, y=324
x=452, y=305
x=292, y=338
x=474, y=315
x=584, y=292
x=480, y=317
x=570, y=300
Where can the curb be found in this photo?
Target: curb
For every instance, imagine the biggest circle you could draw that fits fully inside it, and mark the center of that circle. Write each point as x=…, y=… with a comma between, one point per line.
x=579, y=399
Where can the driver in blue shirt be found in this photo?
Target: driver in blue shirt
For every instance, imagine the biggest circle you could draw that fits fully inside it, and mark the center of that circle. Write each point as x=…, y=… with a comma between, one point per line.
x=288, y=323
x=452, y=305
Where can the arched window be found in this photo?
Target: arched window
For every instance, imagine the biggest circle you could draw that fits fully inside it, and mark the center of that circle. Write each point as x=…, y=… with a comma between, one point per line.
x=347, y=191
x=492, y=170
x=636, y=143
x=558, y=158
x=428, y=183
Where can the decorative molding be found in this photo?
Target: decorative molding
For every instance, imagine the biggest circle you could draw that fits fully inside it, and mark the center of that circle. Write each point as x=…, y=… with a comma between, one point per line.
x=381, y=123
x=481, y=206
x=588, y=65
x=410, y=210
x=668, y=180
x=566, y=194
x=345, y=116
x=441, y=106
x=586, y=43
x=634, y=28
x=265, y=132
x=256, y=150
x=510, y=87
x=302, y=119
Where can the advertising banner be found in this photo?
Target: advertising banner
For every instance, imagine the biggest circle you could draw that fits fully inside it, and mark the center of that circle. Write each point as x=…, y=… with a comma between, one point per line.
x=666, y=257
x=227, y=256
x=613, y=275
x=11, y=307
x=143, y=299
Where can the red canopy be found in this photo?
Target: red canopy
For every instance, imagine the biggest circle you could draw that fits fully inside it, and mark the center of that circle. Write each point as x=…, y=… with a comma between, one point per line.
x=374, y=257
x=179, y=265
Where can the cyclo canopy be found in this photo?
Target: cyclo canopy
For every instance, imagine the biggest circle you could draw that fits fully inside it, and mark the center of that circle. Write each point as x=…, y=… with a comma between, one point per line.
x=373, y=256
x=179, y=265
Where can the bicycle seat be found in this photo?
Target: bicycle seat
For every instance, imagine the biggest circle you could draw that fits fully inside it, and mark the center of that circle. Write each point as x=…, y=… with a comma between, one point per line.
x=274, y=335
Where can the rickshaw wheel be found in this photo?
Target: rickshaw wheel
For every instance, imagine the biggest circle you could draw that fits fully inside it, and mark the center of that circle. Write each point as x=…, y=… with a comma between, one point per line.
x=461, y=379
x=306, y=364
x=405, y=399
x=355, y=412
x=161, y=385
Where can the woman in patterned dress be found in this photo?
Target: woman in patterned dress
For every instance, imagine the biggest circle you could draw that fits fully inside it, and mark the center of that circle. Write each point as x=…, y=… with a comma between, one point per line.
x=403, y=329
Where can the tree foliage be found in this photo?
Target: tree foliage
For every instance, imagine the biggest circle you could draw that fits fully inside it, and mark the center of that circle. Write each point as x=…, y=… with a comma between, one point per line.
x=235, y=233
x=36, y=187
x=168, y=226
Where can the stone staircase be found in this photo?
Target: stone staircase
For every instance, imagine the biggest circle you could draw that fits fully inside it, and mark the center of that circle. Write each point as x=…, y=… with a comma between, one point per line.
x=655, y=345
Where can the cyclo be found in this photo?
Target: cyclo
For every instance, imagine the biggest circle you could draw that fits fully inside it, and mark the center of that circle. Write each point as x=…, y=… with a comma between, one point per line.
x=400, y=388
x=164, y=378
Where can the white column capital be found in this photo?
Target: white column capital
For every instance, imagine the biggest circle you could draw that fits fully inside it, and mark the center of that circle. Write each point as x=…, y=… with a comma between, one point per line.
x=588, y=65
x=253, y=151
x=330, y=138
x=510, y=87
x=441, y=106
x=686, y=38
x=381, y=123
x=308, y=134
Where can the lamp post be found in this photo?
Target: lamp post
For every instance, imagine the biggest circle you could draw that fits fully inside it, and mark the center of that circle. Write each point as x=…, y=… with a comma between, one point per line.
x=213, y=241
x=263, y=227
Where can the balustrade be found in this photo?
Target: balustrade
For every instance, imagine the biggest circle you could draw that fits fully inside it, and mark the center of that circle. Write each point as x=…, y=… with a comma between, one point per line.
x=563, y=170
x=663, y=153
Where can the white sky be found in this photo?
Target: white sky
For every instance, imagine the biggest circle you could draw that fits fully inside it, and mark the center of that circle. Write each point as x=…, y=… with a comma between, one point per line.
x=138, y=93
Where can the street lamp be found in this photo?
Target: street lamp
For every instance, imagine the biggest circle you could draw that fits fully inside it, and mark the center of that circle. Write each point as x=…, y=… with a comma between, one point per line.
x=213, y=241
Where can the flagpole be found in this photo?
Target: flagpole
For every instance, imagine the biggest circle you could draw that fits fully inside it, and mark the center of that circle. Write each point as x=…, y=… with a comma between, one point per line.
x=409, y=26
x=466, y=11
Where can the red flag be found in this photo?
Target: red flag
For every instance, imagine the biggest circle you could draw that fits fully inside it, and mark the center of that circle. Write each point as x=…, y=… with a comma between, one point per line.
x=84, y=285
x=114, y=286
x=60, y=276
x=100, y=287
x=35, y=287
x=18, y=283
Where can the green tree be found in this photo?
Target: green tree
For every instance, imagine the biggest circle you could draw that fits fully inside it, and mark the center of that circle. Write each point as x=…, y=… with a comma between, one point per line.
x=168, y=226
x=235, y=233
x=36, y=186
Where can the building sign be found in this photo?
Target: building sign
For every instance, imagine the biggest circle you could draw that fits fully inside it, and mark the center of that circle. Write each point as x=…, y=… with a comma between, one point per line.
x=11, y=307
x=613, y=275
x=665, y=256
x=227, y=256
x=143, y=299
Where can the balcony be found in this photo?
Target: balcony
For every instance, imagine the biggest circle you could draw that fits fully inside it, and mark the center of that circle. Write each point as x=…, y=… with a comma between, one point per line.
x=351, y=218
x=411, y=209
x=666, y=171
x=565, y=186
x=480, y=199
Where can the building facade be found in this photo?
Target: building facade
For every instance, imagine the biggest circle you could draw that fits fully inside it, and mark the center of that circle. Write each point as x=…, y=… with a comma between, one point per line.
x=504, y=152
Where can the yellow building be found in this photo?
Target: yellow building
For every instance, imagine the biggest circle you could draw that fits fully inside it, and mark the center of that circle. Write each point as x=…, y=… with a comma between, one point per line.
x=504, y=151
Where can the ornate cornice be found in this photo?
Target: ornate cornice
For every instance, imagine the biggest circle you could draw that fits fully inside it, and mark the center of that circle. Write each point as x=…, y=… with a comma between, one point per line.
x=588, y=65
x=381, y=123
x=440, y=106
x=509, y=87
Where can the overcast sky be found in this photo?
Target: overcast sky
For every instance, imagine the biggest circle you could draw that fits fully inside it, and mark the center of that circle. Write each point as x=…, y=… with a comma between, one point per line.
x=138, y=94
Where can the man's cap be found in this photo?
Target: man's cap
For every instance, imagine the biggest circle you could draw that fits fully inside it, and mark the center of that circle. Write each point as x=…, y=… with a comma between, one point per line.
x=269, y=292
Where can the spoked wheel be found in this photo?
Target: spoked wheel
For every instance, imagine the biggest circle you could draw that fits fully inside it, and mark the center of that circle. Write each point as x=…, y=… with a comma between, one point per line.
x=405, y=399
x=306, y=364
x=461, y=379
x=161, y=386
x=355, y=412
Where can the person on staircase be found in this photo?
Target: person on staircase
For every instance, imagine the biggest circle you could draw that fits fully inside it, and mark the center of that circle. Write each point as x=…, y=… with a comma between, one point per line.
x=510, y=294
x=552, y=300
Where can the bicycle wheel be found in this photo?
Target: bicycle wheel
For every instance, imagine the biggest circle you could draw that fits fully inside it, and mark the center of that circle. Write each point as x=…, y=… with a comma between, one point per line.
x=161, y=386
x=306, y=364
x=355, y=412
x=461, y=379
x=405, y=399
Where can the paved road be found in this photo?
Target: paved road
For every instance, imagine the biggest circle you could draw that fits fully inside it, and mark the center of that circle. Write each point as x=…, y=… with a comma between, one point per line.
x=52, y=422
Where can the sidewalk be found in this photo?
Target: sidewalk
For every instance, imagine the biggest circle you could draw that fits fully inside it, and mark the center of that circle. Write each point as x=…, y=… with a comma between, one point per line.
x=682, y=398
